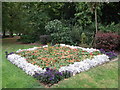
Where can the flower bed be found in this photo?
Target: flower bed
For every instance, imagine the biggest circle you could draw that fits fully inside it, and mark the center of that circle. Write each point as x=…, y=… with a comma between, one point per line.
x=58, y=59
x=56, y=56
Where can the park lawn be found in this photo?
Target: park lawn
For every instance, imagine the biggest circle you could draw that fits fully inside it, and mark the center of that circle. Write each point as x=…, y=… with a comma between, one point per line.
x=12, y=76
x=104, y=76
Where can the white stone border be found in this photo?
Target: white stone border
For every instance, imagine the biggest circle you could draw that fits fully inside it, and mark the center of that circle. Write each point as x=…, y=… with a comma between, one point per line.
x=75, y=68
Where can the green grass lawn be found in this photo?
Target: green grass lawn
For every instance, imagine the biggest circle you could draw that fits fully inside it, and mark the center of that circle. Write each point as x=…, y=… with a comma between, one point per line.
x=104, y=76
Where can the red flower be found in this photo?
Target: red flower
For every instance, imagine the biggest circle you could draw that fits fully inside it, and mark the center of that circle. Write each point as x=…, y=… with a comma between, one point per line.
x=91, y=53
x=83, y=51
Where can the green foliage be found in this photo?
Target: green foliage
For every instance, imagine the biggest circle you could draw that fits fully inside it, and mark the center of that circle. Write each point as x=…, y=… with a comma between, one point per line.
x=54, y=26
x=75, y=34
x=89, y=31
x=83, y=38
x=110, y=27
x=59, y=32
x=27, y=39
x=44, y=39
x=65, y=21
x=83, y=14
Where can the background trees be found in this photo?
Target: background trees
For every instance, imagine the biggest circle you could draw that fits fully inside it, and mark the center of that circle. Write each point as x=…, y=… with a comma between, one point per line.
x=30, y=19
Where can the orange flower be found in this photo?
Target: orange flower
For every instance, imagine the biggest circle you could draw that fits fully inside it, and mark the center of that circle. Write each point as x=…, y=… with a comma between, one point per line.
x=47, y=61
x=38, y=57
x=70, y=60
x=51, y=59
x=68, y=56
x=59, y=57
x=33, y=62
x=63, y=57
x=69, y=51
x=32, y=54
x=78, y=60
x=47, y=64
x=44, y=59
x=35, y=51
x=57, y=53
x=45, y=48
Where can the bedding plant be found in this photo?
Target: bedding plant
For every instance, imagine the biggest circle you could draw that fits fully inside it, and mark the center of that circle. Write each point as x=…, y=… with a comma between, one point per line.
x=56, y=56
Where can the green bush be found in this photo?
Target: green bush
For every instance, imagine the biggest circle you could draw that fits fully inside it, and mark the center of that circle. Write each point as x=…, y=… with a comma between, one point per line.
x=27, y=39
x=89, y=32
x=54, y=26
x=75, y=34
x=44, y=39
x=83, y=38
x=110, y=28
x=59, y=32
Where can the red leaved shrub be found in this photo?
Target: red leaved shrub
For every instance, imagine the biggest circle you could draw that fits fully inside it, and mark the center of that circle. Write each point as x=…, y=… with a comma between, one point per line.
x=109, y=40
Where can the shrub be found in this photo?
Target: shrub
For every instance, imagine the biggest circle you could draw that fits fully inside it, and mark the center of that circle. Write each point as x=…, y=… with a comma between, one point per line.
x=83, y=38
x=75, y=34
x=60, y=33
x=110, y=27
x=44, y=39
x=27, y=39
x=54, y=26
x=52, y=76
x=107, y=40
x=89, y=32
x=62, y=37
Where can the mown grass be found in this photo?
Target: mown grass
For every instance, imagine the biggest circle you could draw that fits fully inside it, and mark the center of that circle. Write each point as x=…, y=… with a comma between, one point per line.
x=104, y=76
x=12, y=76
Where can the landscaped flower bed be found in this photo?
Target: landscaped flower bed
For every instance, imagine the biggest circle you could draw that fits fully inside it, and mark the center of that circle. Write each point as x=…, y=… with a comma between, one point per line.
x=54, y=62
x=56, y=56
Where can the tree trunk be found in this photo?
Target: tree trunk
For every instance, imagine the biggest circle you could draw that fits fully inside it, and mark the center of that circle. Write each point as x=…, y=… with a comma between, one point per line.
x=96, y=26
x=3, y=33
x=11, y=33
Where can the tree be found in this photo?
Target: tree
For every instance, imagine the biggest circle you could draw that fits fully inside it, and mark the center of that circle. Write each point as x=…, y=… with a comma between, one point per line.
x=12, y=17
x=94, y=6
x=83, y=14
